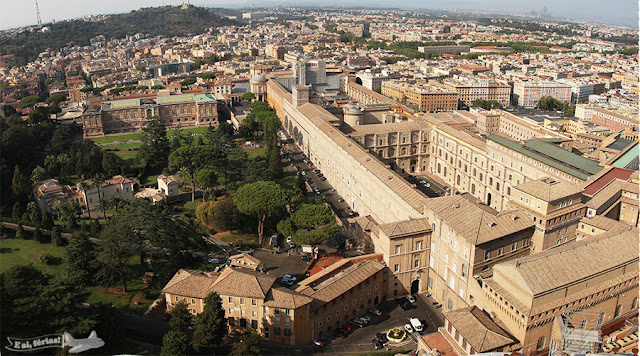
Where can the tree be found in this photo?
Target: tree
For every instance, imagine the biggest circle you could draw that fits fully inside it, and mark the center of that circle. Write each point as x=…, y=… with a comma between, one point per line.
x=190, y=159
x=311, y=224
x=38, y=235
x=204, y=213
x=20, y=233
x=116, y=247
x=55, y=98
x=249, y=345
x=207, y=76
x=8, y=110
x=175, y=343
x=110, y=164
x=188, y=82
x=80, y=259
x=301, y=185
x=261, y=199
x=206, y=178
x=211, y=325
x=30, y=100
x=155, y=145
x=38, y=174
x=180, y=316
x=47, y=220
x=20, y=185
x=104, y=204
x=248, y=96
x=68, y=212
x=226, y=215
x=56, y=237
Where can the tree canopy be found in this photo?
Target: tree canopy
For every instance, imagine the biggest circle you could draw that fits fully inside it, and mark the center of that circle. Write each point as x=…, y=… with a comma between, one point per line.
x=261, y=199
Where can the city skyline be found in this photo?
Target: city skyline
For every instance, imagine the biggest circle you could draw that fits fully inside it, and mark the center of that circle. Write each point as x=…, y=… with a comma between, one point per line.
x=616, y=12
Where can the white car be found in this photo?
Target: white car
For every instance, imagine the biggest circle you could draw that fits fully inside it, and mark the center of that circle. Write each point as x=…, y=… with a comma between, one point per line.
x=375, y=311
x=288, y=277
x=411, y=299
x=214, y=260
x=408, y=328
x=417, y=325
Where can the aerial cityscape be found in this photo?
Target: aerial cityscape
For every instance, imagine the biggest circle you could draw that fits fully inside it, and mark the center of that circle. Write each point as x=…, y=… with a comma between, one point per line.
x=297, y=179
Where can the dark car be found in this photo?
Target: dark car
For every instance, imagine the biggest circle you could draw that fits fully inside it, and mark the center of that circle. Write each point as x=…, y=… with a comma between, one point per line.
x=382, y=337
x=407, y=306
x=376, y=344
x=306, y=258
x=355, y=323
x=340, y=333
x=401, y=300
x=346, y=327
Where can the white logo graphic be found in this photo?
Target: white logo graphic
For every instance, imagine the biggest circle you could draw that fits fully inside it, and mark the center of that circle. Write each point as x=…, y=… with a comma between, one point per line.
x=55, y=340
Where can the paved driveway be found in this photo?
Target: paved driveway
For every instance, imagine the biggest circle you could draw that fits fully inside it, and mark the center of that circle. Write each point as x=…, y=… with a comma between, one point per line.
x=280, y=264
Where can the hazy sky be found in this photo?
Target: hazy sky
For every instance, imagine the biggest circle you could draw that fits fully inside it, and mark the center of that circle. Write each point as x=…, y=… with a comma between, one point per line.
x=15, y=13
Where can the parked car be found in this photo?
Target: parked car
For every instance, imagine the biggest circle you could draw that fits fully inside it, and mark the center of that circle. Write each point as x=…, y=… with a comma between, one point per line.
x=408, y=328
x=323, y=179
x=376, y=344
x=362, y=320
x=346, y=327
x=340, y=333
x=416, y=324
x=303, y=173
x=289, y=277
x=340, y=200
x=366, y=318
x=411, y=299
x=355, y=323
x=316, y=171
x=382, y=337
x=214, y=260
x=318, y=342
x=407, y=306
x=306, y=258
x=375, y=311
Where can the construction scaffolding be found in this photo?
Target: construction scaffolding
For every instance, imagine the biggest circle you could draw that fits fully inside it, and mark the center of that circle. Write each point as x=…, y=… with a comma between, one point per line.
x=576, y=332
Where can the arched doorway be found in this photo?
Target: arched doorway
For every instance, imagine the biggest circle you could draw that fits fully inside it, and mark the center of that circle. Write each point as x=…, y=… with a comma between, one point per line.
x=415, y=286
x=489, y=199
x=358, y=81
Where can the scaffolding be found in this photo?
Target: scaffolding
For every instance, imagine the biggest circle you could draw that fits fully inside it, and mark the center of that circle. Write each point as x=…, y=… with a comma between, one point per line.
x=578, y=332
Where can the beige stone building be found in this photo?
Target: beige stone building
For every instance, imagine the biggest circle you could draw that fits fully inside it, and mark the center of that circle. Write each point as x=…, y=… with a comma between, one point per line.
x=471, y=331
x=49, y=191
x=555, y=207
x=132, y=115
x=421, y=97
x=119, y=186
x=469, y=90
x=251, y=302
x=472, y=239
x=343, y=291
x=599, y=274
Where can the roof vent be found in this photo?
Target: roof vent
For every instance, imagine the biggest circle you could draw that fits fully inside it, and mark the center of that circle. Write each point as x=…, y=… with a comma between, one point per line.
x=492, y=224
x=515, y=217
x=517, y=262
x=455, y=206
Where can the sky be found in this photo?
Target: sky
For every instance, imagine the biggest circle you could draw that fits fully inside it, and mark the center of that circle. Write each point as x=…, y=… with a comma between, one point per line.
x=16, y=13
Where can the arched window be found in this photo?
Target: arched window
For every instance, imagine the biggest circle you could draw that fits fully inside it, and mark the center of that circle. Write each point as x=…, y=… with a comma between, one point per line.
x=473, y=188
x=458, y=180
x=498, y=187
x=540, y=344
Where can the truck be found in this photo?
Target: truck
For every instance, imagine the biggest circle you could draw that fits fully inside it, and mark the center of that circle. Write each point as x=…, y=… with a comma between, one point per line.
x=416, y=324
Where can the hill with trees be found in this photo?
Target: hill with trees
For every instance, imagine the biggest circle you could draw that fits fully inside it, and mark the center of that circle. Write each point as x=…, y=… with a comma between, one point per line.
x=25, y=46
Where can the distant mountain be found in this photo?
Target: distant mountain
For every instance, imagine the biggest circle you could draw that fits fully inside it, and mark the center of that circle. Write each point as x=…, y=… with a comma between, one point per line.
x=168, y=21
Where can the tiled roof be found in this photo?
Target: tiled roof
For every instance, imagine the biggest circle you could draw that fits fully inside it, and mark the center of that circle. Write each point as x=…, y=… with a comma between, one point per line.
x=243, y=282
x=406, y=228
x=341, y=282
x=548, y=189
x=191, y=283
x=475, y=326
x=475, y=223
x=602, y=180
x=279, y=297
x=605, y=223
x=611, y=189
x=574, y=261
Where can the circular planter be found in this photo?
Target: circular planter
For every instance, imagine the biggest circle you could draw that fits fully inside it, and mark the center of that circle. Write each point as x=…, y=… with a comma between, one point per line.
x=396, y=335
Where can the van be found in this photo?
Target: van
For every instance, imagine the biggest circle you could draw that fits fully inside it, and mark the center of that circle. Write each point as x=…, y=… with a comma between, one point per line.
x=416, y=324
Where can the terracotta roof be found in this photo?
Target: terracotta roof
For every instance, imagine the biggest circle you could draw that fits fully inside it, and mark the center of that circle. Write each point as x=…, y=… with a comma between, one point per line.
x=475, y=223
x=609, y=191
x=604, y=179
x=406, y=228
x=279, y=297
x=548, y=189
x=475, y=326
x=243, y=282
x=245, y=256
x=605, y=223
x=341, y=282
x=563, y=265
x=191, y=283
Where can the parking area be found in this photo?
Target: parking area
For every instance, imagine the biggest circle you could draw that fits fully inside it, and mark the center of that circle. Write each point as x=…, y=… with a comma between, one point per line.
x=279, y=264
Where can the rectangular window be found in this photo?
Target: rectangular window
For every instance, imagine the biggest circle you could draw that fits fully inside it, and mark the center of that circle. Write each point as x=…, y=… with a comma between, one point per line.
x=276, y=331
x=241, y=301
x=486, y=255
x=287, y=332
x=396, y=267
x=397, y=249
x=418, y=245
x=193, y=301
x=416, y=264
x=500, y=250
x=254, y=302
x=230, y=299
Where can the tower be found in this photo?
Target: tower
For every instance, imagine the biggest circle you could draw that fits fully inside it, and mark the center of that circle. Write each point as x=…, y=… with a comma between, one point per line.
x=38, y=14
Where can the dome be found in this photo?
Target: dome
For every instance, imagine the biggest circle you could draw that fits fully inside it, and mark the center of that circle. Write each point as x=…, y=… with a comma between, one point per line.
x=352, y=108
x=258, y=78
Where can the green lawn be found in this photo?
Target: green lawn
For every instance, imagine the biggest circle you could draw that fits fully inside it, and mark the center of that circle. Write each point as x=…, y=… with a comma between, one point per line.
x=244, y=239
x=14, y=252
x=255, y=152
x=128, y=158
x=122, y=146
x=192, y=206
x=194, y=130
x=117, y=138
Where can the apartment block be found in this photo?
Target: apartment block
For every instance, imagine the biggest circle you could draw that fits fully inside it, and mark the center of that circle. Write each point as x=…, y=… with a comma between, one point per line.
x=421, y=97
x=528, y=94
x=470, y=90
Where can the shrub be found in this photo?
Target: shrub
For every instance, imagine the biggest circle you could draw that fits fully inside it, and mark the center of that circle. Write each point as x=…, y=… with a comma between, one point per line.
x=47, y=258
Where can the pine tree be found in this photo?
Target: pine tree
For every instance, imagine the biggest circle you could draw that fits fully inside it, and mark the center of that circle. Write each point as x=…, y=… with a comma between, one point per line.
x=211, y=325
x=175, y=343
x=180, y=317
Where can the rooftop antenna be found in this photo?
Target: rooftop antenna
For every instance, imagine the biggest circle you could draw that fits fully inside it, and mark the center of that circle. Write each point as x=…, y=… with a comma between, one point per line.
x=38, y=14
